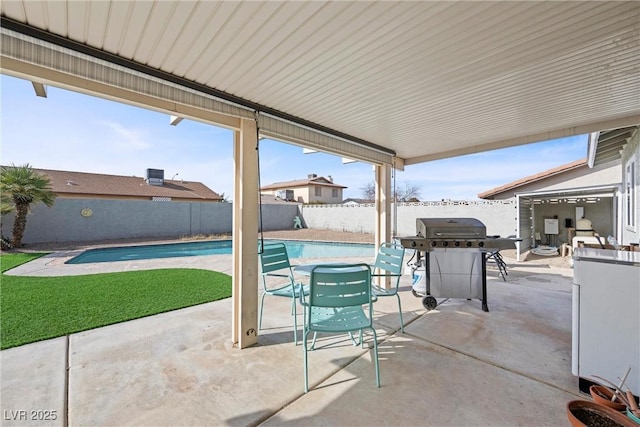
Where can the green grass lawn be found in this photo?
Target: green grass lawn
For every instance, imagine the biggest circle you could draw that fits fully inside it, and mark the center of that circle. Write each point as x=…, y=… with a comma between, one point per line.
x=38, y=308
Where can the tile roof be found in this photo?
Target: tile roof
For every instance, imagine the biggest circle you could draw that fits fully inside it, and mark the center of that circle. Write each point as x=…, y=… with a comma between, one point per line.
x=533, y=178
x=78, y=184
x=321, y=181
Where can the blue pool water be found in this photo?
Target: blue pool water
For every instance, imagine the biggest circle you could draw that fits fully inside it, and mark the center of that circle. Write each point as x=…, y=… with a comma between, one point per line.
x=295, y=249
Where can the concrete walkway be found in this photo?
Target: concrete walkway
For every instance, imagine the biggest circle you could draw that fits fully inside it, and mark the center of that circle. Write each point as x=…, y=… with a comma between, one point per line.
x=454, y=366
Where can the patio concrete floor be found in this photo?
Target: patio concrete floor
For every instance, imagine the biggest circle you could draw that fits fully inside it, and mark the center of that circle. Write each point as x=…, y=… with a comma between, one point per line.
x=454, y=366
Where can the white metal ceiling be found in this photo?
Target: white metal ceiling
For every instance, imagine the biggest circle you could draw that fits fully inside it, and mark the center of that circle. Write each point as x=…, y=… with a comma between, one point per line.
x=424, y=79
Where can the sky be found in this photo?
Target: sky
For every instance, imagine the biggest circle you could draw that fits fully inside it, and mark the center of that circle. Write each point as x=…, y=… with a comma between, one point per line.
x=75, y=132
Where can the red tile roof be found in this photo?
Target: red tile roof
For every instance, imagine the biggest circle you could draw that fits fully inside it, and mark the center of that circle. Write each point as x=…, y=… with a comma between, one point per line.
x=533, y=178
x=82, y=184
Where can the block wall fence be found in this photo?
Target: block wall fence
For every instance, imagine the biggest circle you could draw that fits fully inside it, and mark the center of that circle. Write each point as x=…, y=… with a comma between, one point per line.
x=78, y=220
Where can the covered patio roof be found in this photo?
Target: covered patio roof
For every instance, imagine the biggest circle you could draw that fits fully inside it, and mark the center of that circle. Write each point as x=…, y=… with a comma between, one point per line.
x=415, y=80
x=389, y=83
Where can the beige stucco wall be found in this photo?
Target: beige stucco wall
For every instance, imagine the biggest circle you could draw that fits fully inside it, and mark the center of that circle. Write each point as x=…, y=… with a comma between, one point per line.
x=326, y=196
x=308, y=194
x=583, y=177
x=300, y=194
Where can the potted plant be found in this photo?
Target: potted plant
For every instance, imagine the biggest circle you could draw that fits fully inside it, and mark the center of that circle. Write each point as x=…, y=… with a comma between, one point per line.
x=583, y=413
x=607, y=397
x=614, y=394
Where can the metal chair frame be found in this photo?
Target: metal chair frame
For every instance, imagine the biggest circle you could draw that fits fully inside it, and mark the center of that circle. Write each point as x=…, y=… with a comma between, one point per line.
x=335, y=303
x=274, y=262
x=496, y=258
x=388, y=265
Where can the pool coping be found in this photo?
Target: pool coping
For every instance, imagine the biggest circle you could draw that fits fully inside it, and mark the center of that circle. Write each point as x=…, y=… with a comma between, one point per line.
x=54, y=264
x=202, y=242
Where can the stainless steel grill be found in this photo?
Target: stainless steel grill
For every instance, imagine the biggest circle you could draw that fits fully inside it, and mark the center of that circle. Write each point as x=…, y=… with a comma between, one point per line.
x=432, y=233
x=453, y=252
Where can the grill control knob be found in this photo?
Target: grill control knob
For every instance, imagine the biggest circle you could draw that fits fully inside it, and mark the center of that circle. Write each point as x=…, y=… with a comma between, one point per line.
x=469, y=244
x=445, y=243
x=480, y=244
x=414, y=244
x=456, y=243
x=433, y=244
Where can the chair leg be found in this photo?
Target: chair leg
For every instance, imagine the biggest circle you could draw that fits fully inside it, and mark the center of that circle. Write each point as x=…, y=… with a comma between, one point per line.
x=295, y=321
x=306, y=368
x=353, y=340
x=504, y=267
x=261, y=308
x=400, y=312
x=501, y=266
x=375, y=355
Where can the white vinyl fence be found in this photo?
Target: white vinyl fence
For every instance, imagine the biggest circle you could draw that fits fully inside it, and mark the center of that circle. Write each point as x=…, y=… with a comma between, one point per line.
x=499, y=216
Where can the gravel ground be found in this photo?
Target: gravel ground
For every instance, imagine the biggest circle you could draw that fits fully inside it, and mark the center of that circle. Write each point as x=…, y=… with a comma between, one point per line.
x=323, y=235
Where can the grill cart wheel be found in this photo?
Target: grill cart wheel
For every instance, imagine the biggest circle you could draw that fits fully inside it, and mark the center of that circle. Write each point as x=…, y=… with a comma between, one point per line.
x=429, y=302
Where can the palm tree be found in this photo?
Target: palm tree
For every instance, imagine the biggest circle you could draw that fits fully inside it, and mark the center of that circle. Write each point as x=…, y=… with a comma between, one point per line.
x=23, y=186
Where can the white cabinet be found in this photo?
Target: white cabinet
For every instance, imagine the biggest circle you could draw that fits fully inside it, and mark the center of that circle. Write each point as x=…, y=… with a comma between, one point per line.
x=606, y=316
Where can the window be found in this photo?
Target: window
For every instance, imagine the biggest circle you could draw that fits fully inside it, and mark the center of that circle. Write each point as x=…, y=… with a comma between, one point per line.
x=318, y=191
x=334, y=192
x=630, y=193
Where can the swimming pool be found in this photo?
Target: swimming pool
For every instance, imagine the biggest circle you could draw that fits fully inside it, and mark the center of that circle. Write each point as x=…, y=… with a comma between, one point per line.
x=295, y=249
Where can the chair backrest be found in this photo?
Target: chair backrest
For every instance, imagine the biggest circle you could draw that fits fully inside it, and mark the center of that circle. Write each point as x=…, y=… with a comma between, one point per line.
x=389, y=258
x=340, y=286
x=273, y=257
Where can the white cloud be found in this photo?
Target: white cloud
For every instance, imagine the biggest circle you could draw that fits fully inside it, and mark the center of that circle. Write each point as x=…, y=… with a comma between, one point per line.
x=123, y=138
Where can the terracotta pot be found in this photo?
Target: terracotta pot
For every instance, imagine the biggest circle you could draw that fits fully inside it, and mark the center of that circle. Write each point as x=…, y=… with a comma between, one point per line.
x=603, y=395
x=582, y=413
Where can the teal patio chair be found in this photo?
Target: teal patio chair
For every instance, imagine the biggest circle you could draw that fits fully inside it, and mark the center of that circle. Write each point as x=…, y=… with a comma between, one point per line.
x=388, y=264
x=274, y=262
x=337, y=295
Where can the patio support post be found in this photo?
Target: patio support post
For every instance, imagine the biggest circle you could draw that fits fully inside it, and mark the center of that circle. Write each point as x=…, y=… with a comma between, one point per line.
x=245, y=235
x=383, y=210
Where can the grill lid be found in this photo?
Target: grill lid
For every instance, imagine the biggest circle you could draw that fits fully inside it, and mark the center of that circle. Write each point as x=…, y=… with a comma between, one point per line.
x=448, y=228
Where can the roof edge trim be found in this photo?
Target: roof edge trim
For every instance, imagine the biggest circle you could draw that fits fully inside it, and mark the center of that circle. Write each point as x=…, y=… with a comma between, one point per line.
x=613, y=188
x=592, y=147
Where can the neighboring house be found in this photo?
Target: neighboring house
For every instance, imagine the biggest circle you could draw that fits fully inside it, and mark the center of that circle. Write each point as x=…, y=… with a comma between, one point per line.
x=566, y=193
x=270, y=199
x=314, y=189
x=621, y=147
x=82, y=185
x=357, y=202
